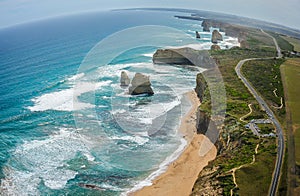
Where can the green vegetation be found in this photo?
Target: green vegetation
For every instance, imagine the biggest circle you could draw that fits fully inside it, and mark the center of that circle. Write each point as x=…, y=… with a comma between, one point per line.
x=266, y=128
x=227, y=183
x=283, y=43
x=268, y=82
x=291, y=76
x=295, y=42
x=236, y=143
x=254, y=179
x=258, y=40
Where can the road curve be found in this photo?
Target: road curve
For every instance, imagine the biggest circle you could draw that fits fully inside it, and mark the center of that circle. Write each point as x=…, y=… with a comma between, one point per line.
x=263, y=104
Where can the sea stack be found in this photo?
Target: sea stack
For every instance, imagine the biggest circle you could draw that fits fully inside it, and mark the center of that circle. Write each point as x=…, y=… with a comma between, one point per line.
x=197, y=35
x=140, y=84
x=216, y=36
x=206, y=26
x=125, y=80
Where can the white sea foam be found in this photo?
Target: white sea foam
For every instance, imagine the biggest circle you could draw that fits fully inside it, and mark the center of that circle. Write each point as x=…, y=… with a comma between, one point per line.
x=76, y=77
x=137, y=139
x=66, y=100
x=45, y=160
x=161, y=169
x=148, y=55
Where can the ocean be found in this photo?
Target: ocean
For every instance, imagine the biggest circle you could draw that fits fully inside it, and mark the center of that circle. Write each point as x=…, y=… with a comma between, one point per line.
x=66, y=125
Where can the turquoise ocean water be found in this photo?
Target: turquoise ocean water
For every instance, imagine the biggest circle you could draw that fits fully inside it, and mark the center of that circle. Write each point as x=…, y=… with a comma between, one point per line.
x=68, y=130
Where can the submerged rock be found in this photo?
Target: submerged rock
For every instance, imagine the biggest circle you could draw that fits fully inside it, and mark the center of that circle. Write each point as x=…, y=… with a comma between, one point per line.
x=140, y=84
x=198, y=35
x=216, y=36
x=125, y=80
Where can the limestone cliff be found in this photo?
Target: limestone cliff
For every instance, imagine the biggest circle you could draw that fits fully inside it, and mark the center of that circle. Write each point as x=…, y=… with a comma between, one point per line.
x=171, y=56
x=183, y=56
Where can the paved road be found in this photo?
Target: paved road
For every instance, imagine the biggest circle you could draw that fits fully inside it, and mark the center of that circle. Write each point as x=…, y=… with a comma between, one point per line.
x=279, y=54
x=263, y=104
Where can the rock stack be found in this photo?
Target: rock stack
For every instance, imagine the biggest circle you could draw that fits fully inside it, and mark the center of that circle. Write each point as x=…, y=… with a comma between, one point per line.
x=216, y=36
x=197, y=35
x=140, y=84
x=125, y=80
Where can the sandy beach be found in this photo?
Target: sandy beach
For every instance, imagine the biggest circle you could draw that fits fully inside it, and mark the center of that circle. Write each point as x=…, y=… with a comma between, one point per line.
x=182, y=173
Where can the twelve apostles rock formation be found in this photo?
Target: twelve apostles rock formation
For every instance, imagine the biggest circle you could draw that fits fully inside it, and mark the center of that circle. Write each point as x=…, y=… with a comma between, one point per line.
x=198, y=35
x=125, y=80
x=140, y=84
x=216, y=36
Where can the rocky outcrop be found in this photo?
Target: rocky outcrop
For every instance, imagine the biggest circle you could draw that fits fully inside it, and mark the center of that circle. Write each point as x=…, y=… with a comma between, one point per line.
x=216, y=36
x=183, y=56
x=170, y=56
x=206, y=26
x=203, y=120
x=198, y=35
x=140, y=84
x=125, y=80
x=215, y=47
x=201, y=86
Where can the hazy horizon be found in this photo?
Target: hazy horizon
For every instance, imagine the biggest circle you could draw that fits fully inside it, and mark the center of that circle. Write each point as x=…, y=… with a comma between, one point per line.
x=13, y=12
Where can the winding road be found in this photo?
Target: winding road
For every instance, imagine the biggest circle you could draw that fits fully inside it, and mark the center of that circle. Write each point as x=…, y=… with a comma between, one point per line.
x=263, y=104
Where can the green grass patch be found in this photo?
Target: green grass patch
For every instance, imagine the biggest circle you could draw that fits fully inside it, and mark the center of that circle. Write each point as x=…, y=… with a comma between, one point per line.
x=291, y=71
x=265, y=77
x=255, y=179
x=282, y=43
x=266, y=128
x=295, y=42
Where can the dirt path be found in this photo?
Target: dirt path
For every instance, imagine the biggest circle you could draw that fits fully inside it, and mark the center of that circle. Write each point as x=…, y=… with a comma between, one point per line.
x=245, y=116
x=237, y=168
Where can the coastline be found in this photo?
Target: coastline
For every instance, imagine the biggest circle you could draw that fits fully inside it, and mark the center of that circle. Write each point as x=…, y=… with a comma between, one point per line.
x=183, y=172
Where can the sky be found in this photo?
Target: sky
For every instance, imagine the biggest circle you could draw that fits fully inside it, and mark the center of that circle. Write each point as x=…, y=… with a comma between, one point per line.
x=284, y=12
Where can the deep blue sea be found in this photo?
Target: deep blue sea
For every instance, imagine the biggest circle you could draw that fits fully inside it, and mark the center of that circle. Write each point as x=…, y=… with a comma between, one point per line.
x=66, y=125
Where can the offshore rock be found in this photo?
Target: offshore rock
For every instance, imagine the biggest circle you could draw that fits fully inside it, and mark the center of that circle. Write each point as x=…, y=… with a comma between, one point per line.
x=198, y=35
x=216, y=36
x=140, y=84
x=206, y=26
x=125, y=80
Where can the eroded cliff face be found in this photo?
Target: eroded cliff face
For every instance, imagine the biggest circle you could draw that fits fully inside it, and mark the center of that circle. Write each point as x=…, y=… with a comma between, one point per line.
x=183, y=56
x=208, y=181
x=171, y=56
x=229, y=29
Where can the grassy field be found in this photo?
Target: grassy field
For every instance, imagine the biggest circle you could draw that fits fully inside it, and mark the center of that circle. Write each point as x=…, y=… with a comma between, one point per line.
x=268, y=83
x=291, y=70
x=254, y=179
x=291, y=75
x=282, y=43
x=293, y=41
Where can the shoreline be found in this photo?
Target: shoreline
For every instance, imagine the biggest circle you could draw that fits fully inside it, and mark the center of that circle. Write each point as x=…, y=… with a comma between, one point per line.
x=183, y=172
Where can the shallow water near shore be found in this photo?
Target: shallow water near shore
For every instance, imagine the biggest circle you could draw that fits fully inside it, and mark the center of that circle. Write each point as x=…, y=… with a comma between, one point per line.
x=49, y=146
